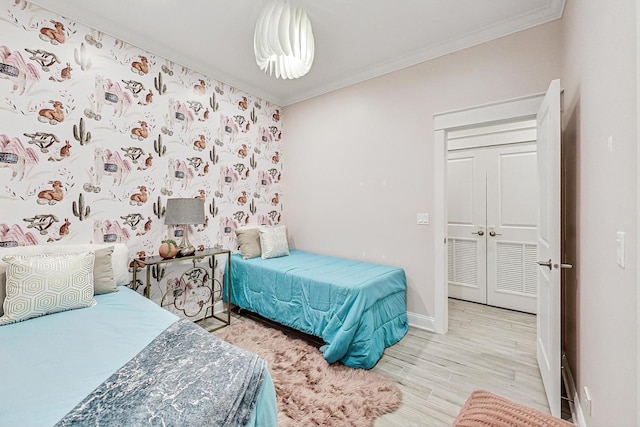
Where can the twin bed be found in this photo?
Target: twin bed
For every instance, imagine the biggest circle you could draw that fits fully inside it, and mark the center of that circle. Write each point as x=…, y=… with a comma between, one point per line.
x=126, y=361
x=358, y=308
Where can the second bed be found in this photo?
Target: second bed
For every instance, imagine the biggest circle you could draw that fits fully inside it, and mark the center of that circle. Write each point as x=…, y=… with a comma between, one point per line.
x=358, y=308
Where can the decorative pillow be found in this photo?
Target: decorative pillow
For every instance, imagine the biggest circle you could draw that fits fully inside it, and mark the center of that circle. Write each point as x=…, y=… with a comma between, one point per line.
x=119, y=259
x=48, y=283
x=249, y=241
x=273, y=241
x=103, y=278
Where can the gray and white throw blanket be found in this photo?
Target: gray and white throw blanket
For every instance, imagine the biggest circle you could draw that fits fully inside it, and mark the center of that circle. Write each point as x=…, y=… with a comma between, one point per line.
x=185, y=377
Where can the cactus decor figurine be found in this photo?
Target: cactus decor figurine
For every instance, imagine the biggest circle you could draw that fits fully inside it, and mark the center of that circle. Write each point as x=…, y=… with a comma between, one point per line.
x=213, y=156
x=79, y=210
x=158, y=272
x=159, y=147
x=80, y=134
x=213, y=209
x=158, y=209
x=159, y=85
x=213, y=103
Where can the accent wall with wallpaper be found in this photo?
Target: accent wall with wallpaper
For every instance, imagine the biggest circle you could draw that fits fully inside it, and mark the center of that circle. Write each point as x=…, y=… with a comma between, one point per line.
x=97, y=134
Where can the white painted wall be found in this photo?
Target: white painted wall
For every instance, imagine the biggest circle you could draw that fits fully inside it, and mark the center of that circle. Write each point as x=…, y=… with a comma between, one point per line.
x=359, y=160
x=600, y=79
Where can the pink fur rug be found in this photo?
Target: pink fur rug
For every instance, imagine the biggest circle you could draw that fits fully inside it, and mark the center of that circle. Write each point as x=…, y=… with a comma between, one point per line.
x=310, y=391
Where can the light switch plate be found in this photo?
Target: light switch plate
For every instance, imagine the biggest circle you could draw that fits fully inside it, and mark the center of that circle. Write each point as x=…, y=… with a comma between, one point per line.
x=620, y=248
x=423, y=218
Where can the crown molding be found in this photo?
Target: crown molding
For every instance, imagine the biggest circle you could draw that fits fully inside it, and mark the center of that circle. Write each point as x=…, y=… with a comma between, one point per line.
x=544, y=15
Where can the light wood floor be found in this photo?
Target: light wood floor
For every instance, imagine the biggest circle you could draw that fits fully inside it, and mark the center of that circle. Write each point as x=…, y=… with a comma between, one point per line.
x=486, y=347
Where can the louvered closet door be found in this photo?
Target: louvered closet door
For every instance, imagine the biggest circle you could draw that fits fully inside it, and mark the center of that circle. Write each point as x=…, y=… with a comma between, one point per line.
x=466, y=193
x=492, y=203
x=512, y=206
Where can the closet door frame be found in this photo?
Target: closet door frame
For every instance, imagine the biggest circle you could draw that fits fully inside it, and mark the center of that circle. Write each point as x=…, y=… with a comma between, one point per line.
x=444, y=123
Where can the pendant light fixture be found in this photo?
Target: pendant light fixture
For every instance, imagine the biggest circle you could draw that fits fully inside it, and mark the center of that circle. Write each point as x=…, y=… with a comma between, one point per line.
x=283, y=40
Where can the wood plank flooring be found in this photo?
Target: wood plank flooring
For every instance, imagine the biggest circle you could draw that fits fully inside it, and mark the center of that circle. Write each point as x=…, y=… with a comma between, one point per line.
x=486, y=347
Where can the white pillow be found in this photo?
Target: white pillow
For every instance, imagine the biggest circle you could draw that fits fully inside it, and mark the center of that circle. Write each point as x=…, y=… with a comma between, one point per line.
x=47, y=283
x=273, y=242
x=119, y=259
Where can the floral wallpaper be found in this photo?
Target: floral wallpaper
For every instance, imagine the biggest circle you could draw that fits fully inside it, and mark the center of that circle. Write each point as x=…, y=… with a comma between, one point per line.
x=97, y=134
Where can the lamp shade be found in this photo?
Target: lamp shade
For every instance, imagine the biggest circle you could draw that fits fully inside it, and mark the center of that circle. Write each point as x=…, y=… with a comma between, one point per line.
x=184, y=211
x=283, y=40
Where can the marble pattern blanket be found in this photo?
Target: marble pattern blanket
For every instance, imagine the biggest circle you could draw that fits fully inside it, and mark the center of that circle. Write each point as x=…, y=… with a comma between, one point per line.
x=184, y=377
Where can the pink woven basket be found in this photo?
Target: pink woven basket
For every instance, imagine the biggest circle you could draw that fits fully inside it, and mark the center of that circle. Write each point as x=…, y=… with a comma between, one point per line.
x=483, y=408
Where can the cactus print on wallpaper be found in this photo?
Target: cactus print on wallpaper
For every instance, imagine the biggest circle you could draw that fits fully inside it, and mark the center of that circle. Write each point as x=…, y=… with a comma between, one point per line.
x=97, y=134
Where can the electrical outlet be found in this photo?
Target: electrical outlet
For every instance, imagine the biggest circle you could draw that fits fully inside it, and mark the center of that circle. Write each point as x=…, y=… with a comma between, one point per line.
x=423, y=218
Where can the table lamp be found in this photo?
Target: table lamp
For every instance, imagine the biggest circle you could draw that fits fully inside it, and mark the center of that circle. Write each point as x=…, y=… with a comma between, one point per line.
x=184, y=212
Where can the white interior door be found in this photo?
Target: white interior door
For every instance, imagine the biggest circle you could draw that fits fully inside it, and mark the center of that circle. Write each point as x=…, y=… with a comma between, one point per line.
x=466, y=190
x=548, y=242
x=492, y=205
x=512, y=216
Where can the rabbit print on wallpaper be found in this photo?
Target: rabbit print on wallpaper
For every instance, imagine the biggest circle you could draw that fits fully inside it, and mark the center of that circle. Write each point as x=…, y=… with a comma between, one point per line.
x=97, y=135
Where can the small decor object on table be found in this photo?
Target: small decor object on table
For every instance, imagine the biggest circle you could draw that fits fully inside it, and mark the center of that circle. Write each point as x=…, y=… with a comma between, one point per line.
x=168, y=249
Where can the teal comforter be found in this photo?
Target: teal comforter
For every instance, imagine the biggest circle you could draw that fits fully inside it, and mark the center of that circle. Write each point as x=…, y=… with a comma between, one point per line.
x=358, y=308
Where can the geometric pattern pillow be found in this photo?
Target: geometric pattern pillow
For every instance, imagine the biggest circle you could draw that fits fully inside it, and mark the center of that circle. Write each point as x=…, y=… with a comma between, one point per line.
x=273, y=241
x=44, y=284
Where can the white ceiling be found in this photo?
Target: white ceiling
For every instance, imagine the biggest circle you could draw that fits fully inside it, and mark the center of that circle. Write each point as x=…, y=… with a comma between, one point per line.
x=355, y=39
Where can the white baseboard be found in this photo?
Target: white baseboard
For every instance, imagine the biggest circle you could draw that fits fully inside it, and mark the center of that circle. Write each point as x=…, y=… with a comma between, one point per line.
x=572, y=393
x=422, y=322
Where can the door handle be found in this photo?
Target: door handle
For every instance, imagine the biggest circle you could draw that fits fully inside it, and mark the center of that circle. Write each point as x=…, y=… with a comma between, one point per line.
x=494, y=234
x=479, y=233
x=545, y=264
x=550, y=265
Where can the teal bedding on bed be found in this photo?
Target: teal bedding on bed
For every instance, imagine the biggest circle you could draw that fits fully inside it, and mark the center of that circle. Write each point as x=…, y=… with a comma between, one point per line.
x=358, y=308
x=49, y=364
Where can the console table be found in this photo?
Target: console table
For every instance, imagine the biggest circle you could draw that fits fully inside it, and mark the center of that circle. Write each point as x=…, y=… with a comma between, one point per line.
x=196, y=278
